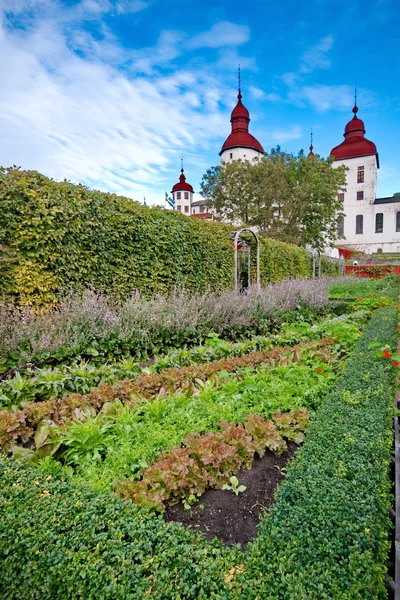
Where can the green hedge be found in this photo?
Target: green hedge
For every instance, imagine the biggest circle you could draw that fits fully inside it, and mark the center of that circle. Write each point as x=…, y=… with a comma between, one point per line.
x=60, y=542
x=60, y=237
x=327, y=536
x=279, y=260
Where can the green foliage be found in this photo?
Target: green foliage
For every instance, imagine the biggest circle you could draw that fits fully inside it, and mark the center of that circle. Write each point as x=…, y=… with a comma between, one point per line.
x=138, y=435
x=293, y=199
x=59, y=541
x=279, y=260
x=352, y=287
x=186, y=381
x=234, y=486
x=327, y=535
x=60, y=236
x=56, y=237
x=209, y=460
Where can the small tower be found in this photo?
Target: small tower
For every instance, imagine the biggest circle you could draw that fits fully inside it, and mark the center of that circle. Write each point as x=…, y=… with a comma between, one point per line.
x=182, y=193
x=240, y=144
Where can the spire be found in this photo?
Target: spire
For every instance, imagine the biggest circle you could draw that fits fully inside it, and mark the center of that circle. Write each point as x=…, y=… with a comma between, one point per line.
x=311, y=153
x=182, y=184
x=239, y=90
x=355, y=109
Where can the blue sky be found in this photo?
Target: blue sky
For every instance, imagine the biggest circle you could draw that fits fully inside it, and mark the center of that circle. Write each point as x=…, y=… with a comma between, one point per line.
x=111, y=93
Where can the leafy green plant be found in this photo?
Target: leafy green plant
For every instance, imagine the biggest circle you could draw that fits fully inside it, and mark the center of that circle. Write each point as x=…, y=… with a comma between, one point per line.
x=233, y=486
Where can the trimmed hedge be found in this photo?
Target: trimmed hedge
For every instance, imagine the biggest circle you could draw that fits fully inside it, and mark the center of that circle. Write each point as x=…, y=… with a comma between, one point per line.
x=56, y=237
x=58, y=541
x=328, y=534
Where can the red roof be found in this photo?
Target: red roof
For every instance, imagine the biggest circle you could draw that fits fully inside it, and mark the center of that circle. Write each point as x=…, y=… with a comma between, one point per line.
x=240, y=136
x=182, y=185
x=355, y=144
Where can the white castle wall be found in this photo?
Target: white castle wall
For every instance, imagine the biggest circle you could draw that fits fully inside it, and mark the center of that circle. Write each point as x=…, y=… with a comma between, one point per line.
x=368, y=241
x=183, y=202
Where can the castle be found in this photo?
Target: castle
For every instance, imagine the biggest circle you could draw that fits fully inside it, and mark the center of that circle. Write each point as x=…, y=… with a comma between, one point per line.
x=370, y=225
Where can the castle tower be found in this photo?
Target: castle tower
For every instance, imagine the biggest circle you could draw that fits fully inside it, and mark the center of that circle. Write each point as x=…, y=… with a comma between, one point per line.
x=240, y=144
x=363, y=221
x=182, y=193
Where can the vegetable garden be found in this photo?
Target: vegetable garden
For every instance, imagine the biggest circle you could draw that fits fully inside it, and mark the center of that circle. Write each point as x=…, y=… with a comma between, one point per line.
x=122, y=419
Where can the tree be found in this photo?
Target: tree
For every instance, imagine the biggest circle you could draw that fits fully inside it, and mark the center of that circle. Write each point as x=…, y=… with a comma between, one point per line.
x=290, y=198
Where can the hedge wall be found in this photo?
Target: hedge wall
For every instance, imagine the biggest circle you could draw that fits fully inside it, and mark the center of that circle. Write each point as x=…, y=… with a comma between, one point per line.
x=328, y=534
x=59, y=236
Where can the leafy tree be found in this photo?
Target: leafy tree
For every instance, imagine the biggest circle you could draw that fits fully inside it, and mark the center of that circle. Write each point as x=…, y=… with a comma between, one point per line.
x=290, y=198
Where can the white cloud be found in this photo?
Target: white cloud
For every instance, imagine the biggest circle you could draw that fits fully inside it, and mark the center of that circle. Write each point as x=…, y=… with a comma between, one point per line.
x=294, y=132
x=259, y=94
x=220, y=35
x=86, y=120
x=316, y=58
x=322, y=97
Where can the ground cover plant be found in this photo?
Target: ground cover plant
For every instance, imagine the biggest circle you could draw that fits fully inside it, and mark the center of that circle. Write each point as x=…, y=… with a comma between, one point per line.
x=326, y=537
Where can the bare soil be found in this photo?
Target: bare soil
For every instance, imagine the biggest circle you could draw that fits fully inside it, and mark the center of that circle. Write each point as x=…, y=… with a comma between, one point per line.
x=234, y=519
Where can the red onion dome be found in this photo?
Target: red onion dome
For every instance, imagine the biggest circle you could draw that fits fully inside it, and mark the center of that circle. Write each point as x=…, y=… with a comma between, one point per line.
x=355, y=144
x=182, y=185
x=240, y=136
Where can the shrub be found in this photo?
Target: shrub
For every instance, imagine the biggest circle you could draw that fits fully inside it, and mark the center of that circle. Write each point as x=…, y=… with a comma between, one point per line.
x=56, y=236
x=327, y=535
x=59, y=541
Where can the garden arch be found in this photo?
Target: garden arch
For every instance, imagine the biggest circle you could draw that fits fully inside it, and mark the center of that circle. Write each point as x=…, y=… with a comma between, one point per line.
x=244, y=269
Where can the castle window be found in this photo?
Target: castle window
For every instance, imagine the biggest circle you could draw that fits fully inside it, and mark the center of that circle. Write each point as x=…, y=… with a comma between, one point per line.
x=341, y=197
x=186, y=209
x=202, y=209
x=360, y=195
x=194, y=211
x=179, y=208
x=230, y=155
x=359, y=224
x=340, y=226
x=379, y=223
x=178, y=195
x=360, y=175
x=186, y=195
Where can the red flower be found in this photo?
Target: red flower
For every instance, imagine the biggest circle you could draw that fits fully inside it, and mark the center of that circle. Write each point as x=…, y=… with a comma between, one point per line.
x=381, y=303
x=360, y=298
x=319, y=371
x=395, y=363
x=386, y=354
